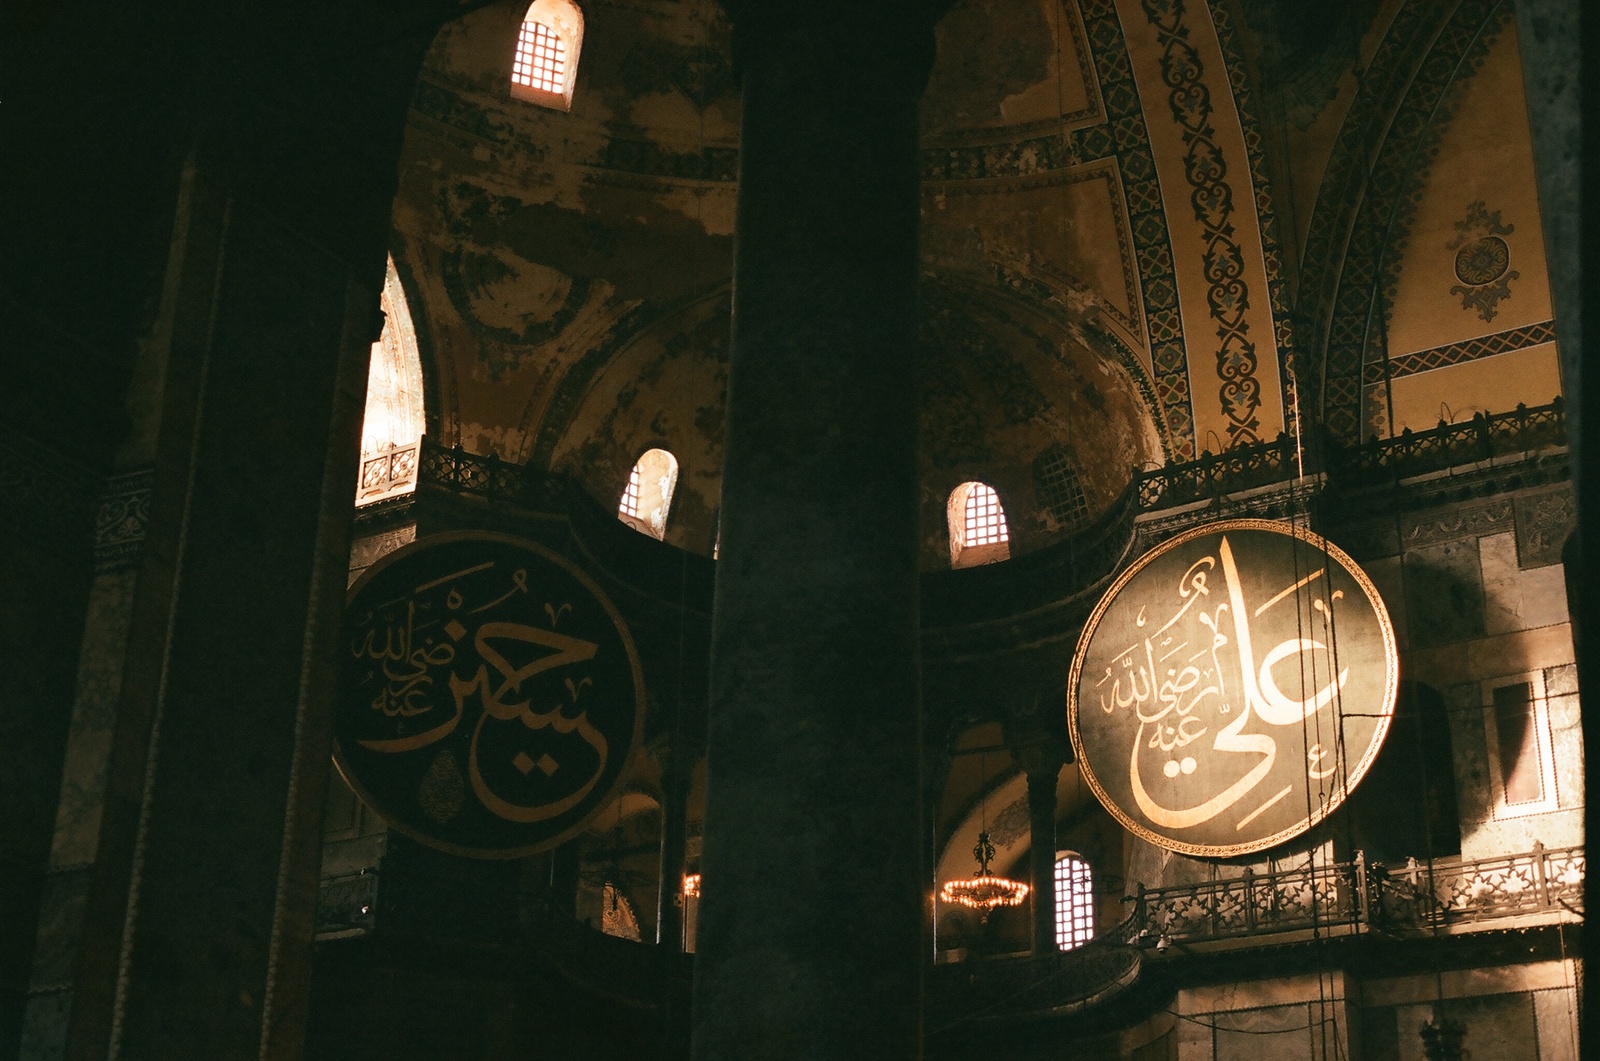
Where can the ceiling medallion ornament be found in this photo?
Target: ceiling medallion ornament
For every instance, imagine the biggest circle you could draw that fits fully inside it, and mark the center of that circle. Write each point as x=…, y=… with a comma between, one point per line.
x=489, y=695
x=983, y=890
x=1232, y=687
x=1483, y=260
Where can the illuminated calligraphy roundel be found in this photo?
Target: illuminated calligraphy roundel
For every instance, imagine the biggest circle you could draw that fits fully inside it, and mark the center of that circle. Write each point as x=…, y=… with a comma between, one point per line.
x=1232, y=687
x=489, y=695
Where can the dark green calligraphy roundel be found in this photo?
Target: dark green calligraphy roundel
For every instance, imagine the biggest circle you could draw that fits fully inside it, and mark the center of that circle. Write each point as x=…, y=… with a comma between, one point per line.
x=1232, y=687
x=489, y=695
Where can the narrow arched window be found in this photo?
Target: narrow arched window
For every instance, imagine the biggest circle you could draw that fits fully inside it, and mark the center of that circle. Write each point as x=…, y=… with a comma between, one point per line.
x=647, y=498
x=544, y=68
x=978, y=533
x=391, y=426
x=1074, y=901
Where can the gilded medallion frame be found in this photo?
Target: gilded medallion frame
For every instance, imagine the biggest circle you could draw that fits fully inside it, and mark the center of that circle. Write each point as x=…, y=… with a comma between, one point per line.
x=640, y=699
x=1354, y=771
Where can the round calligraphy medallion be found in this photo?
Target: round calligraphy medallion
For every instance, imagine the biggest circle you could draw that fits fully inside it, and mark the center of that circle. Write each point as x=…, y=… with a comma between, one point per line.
x=489, y=695
x=1232, y=687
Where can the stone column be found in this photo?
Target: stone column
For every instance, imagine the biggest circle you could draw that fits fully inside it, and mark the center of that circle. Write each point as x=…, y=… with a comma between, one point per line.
x=810, y=921
x=675, y=779
x=1042, y=854
x=200, y=914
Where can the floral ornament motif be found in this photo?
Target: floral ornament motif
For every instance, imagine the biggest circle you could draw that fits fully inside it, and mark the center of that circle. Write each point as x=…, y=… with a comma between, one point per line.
x=1483, y=260
x=1211, y=199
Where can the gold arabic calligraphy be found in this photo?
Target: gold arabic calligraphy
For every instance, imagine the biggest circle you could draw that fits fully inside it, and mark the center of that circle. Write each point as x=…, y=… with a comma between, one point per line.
x=473, y=657
x=1179, y=688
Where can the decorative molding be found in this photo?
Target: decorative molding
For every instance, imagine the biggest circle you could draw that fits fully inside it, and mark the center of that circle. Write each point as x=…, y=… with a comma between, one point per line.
x=1125, y=136
x=1266, y=214
x=1387, y=204
x=1483, y=260
x=1211, y=198
x=1458, y=353
x=1379, y=93
x=1471, y=521
x=121, y=520
x=1544, y=522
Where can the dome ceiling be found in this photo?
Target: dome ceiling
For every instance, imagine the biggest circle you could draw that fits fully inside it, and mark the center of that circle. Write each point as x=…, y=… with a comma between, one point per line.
x=1104, y=281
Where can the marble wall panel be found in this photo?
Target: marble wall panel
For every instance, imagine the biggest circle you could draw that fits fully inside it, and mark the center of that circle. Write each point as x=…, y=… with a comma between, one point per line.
x=1444, y=593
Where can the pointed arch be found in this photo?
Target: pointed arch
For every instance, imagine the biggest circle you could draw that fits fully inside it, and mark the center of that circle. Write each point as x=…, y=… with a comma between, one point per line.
x=544, y=67
x=392, y=423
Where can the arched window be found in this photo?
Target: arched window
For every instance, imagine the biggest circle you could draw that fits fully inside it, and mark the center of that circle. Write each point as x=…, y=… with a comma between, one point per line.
x=391, y=427
x=545, y=65
x=648, y=496
x=1074, y=901
x=978, y=532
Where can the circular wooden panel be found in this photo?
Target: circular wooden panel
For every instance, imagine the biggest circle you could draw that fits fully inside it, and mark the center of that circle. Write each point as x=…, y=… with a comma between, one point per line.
x=489, y=695
x=1232, y=687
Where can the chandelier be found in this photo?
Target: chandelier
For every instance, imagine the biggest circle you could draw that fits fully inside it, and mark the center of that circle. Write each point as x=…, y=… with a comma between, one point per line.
x=983, y=890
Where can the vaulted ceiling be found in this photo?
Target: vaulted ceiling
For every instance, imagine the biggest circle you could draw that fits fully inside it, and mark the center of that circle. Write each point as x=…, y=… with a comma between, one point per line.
x=1151, y=228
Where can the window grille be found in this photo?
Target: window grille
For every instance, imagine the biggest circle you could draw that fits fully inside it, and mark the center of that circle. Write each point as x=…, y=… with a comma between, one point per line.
x=647, y=498
x=1060, y=490
x=630, y=495
x=1074, y=902
x=985, y=522
x=541, y=59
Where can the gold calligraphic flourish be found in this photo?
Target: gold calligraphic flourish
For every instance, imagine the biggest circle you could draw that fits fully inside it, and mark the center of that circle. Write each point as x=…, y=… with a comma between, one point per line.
x=1175, y=693
x=421, y=665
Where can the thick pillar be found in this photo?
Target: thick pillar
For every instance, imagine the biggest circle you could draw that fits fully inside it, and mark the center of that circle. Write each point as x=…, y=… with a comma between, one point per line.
x=198, y=925
x=810, y=922
x=1042, y=854
x=676, y=775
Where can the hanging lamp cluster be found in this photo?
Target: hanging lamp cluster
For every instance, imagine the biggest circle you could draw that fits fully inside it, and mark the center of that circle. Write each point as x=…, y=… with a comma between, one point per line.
x=984, y=890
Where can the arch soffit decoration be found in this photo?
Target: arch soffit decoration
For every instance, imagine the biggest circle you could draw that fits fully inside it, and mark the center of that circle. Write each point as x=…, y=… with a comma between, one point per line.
x=440, y=422
x=1424, y=84
x=1113, y=128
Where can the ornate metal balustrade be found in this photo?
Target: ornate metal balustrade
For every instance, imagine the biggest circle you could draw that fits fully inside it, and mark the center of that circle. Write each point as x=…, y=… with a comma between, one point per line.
x=386, y=474
x=1360, y=896
x=491, y=478
x=1213, y=475
x=1453, y=892
x=1408, y=454
x=1482, y=438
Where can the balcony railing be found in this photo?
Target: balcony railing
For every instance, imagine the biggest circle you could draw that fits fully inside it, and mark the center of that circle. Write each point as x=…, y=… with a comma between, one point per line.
x=1213, y=475
x=1409, y=453
x=1482, y=438
x=1359, y=896
x=387, y=473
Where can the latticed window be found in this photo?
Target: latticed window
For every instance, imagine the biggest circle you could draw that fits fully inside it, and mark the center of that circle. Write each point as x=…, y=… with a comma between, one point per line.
x=545, y=63
x=1074, y=901
x=648, y=496
x=984, y=522
x=978, y=533
x=630, y=495
x=1060, y=491
x=541, y=60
